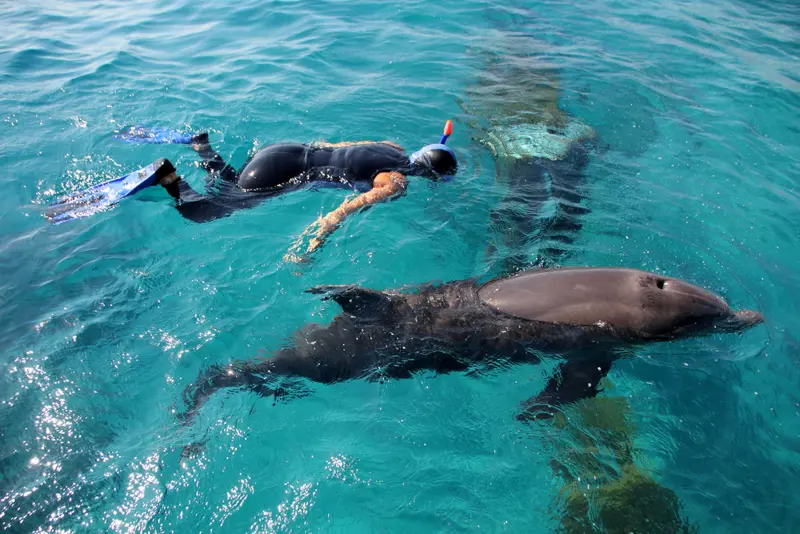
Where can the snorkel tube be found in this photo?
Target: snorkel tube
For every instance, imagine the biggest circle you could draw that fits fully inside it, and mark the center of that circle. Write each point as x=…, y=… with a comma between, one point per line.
x=448, y=129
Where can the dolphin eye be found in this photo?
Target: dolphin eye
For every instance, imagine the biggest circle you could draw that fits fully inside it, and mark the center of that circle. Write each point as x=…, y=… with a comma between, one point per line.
x=660, y=284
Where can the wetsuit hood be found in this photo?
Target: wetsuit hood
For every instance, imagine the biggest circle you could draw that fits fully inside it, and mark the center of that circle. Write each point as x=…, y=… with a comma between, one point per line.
x=438, y=159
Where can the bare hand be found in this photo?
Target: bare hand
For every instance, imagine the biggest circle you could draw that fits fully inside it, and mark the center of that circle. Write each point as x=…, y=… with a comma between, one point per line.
x=325, y=227
x=295, y=258
x=321, y=227
x=314, y=244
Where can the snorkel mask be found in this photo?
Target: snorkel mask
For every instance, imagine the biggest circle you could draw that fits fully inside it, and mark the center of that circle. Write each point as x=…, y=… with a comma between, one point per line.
x=428, y=158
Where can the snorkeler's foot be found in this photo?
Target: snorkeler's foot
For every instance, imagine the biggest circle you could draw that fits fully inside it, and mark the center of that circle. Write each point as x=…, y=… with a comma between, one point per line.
x=199, y=140
x=165, y=172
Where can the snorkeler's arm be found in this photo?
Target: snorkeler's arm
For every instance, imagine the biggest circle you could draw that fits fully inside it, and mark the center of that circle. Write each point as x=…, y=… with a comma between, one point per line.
x=325, y=144
x=384, y=186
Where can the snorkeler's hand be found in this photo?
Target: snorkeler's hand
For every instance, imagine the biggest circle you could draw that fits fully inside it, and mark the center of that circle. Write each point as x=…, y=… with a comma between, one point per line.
x=294, y=255
x=325, y=225
x=314, y=244
x=291, y=257
x=320, y=228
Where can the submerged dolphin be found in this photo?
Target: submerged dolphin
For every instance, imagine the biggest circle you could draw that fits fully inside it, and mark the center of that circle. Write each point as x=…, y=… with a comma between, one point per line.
x=541, y=152
x=584, y=314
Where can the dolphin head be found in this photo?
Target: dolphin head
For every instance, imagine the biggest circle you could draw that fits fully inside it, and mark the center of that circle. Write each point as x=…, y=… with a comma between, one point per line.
x=638, y=304
x=675, y=308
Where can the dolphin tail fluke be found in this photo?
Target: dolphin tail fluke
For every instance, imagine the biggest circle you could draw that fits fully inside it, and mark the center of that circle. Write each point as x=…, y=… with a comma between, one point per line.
x=243, y=375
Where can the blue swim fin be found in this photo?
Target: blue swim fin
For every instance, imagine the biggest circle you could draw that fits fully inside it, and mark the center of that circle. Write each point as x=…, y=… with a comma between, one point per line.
x=155, y=136
x=102, y=196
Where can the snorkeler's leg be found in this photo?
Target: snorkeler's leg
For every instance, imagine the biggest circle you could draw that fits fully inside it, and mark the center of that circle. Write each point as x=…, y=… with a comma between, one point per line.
x=201, y=208
x=211, y=161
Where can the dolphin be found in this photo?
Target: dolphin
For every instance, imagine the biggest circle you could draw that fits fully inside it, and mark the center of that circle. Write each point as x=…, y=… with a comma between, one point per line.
x=587, y=315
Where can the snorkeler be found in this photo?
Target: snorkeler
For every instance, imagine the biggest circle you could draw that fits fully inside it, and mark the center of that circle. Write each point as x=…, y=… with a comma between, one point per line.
x=378, y=170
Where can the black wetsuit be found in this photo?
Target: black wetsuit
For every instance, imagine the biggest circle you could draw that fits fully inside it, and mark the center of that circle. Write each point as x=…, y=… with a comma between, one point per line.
x=279, y=168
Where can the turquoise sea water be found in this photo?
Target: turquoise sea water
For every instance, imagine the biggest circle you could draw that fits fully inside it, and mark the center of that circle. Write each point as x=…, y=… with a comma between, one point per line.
x=104, y=321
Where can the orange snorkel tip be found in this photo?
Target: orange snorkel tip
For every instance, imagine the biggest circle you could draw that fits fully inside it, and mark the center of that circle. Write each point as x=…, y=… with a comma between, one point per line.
x=448, y=129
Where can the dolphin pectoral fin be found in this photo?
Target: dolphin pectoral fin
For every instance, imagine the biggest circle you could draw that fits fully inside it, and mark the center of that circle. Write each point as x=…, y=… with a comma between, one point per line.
x=354, y=300
x=579, y=379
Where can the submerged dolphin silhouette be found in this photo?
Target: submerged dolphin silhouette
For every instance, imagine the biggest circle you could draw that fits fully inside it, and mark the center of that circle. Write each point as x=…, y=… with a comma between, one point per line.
x=584, y=314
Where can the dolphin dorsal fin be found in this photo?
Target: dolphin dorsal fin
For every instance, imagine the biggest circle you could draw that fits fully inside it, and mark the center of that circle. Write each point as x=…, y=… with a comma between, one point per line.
x=357, y=301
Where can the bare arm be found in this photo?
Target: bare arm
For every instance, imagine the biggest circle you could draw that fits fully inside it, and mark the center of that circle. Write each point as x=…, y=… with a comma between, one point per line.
x=384, y=186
